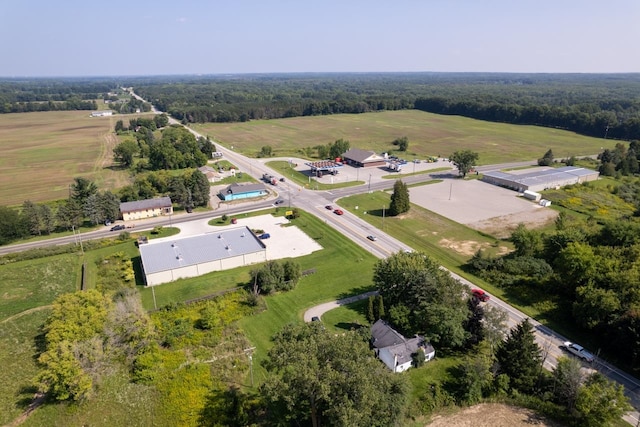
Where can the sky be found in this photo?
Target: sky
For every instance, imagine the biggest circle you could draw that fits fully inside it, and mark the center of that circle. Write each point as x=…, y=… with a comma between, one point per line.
x=158, y=37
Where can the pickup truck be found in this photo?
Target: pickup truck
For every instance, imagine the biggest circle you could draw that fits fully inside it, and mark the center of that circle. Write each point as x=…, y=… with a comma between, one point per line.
x=578, y=350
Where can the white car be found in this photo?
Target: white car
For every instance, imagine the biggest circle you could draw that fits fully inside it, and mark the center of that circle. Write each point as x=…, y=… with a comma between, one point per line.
x=578, y=350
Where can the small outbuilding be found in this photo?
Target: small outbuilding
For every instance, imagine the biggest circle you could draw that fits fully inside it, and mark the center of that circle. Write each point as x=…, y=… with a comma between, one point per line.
x=363, y=158
x=147, y=208
x=102, y=113
x=243, y=191
x=396, y=351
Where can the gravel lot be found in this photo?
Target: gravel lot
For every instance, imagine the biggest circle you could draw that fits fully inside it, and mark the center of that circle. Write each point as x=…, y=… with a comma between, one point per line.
x=480, y=205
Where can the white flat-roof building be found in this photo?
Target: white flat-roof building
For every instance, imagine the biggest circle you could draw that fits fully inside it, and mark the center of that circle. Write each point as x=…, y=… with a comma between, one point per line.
x=172, y=259
x=541, y=179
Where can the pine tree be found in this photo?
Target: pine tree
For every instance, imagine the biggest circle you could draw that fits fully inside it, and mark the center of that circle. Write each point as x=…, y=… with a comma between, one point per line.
x=371, y=316
x=380, y=308
x=520, y=358
x=399, y=199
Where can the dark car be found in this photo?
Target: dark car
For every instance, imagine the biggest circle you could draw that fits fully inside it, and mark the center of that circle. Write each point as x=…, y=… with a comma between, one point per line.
x=118, y=227
x=480, y=295
x=315, y=319
x=329, y=207
x=264, y=236
x=279, y=201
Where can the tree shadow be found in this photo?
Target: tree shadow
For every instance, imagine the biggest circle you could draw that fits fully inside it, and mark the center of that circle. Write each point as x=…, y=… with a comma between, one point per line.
x=137, y=270
x=350, y=326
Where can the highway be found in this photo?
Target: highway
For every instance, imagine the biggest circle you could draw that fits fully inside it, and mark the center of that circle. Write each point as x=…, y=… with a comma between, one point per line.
x=356, y=230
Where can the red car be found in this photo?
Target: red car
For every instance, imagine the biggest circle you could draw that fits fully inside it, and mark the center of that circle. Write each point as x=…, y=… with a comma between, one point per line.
x=338, y=212
x=480, y=295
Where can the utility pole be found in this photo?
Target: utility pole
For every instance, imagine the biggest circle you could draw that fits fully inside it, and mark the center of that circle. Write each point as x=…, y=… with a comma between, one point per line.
x=369, y=183
x=249, y=353
x=383, y=217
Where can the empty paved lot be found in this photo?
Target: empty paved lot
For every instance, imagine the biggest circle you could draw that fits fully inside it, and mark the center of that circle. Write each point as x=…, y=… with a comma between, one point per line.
x=470, y=201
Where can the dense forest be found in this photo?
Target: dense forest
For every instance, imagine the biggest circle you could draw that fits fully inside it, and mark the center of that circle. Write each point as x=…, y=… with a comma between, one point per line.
x=601, y=105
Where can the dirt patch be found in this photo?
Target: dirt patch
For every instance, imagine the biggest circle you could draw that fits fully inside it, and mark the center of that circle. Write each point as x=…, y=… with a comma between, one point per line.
x=468, y=247
x=492, y=415
x=501, y=227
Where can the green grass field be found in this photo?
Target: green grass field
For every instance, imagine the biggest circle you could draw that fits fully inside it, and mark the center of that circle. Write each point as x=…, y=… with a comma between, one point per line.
x=428, y=134
x=17, y=350
x=26, y=285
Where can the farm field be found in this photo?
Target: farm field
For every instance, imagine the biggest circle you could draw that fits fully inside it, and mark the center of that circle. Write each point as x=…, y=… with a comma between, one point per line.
x=428, y=134
x=42, y=152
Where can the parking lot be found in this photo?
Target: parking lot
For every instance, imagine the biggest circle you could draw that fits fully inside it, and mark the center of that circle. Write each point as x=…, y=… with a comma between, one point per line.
x=284, y=242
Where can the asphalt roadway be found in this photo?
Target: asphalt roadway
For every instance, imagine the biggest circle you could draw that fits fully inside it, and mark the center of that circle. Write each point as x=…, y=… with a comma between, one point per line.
x=356, y=229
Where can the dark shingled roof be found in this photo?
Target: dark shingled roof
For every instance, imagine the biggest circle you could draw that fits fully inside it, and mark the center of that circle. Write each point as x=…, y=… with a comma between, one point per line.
x=384, y=336
x=140, y=205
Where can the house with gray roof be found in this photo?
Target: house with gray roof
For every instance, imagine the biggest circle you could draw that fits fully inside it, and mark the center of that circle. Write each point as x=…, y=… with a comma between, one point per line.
x=170, y=259
x=363, y=158
x=396, y=351
x=147, y=208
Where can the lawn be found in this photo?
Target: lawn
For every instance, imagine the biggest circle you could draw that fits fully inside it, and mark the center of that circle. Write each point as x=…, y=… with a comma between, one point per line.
x=29, y=284
x=428, y=134
x=452, y=244
x=341, y=269
x=17, y=350
x=42, y=152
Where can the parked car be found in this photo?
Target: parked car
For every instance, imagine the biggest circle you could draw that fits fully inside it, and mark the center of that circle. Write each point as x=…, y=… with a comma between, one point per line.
x=578, y=350
x=264, y=236
x=372, y=238
x=480, y=295
x=118, y=227
x=315, y=319
x=338, y=212
x=279, y=201
x=329, y=207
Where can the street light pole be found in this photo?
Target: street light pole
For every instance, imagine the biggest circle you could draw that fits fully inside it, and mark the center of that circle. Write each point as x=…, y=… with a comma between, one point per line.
x=383, y=217
x=369, y=183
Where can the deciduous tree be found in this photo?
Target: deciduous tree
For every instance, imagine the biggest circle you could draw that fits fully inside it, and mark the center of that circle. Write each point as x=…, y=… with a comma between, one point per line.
x=328, y=379
x=464, y=160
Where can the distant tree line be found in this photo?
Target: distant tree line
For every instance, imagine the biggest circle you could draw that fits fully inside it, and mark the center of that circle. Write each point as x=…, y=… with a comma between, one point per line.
x=42, y=94
x=597, y=105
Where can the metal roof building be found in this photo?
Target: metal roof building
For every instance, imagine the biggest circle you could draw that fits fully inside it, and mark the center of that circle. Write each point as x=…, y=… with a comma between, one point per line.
x=541, y=179
x=172, y=259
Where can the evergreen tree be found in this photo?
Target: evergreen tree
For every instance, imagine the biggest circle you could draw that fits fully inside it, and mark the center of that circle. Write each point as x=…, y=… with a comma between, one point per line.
x=520, y=358
x=371, y=316
x=547, y=159
x=380, y=308
x=399, y=199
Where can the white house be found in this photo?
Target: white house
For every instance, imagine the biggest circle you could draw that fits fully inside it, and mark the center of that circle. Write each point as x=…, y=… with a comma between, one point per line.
x=396, y=351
